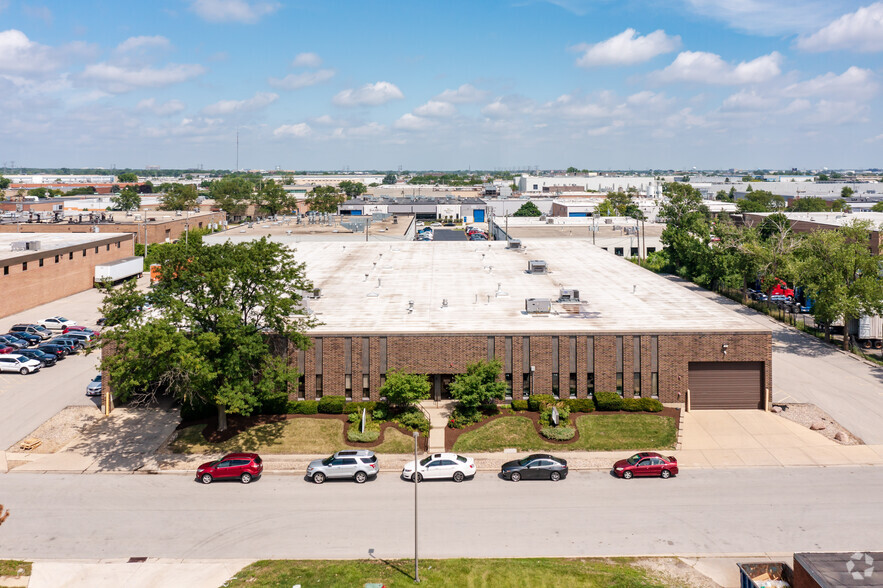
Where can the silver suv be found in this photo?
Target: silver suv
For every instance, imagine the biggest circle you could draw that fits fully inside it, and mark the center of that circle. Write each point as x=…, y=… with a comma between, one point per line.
x=358, y=464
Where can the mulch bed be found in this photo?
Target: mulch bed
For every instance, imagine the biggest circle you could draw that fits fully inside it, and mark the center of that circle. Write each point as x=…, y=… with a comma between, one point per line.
x=237, y=424
x=451, y=435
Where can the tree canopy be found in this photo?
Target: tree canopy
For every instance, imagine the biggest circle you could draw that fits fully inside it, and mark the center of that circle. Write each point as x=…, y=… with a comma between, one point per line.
x=232, y=193
x=273, y=199
x=760, y=201
x=528, y=209
x=618, y=204
x=127, y=177
x=352, y=189
x=402, y=389
x=127, y=199
x=4, y=182
x=179, y=197
x=219, y=330
x=808, y=204
x=479, y=386
x=389, y=178
x=325, y=199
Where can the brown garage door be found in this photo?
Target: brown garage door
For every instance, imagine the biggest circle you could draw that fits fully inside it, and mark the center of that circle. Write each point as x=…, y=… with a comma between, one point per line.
x=726, y=385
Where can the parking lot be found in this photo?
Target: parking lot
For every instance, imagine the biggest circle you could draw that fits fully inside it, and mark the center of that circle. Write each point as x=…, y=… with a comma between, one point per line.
x=31, y=399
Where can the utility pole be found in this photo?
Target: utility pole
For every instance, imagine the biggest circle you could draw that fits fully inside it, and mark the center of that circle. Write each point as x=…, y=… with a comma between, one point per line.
x=416, y=483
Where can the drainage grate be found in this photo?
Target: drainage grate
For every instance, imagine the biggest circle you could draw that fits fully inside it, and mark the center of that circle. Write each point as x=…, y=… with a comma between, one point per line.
x=137, y=559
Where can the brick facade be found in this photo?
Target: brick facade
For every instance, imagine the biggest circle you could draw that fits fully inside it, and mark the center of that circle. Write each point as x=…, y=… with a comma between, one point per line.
x=441, y=354
x=64, y=271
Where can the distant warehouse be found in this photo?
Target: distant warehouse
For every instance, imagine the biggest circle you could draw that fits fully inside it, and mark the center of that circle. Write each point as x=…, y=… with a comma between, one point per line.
x=564, y=317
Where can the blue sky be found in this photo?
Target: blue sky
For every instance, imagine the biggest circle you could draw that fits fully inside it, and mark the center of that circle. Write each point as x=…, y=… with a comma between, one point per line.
x=597, y=84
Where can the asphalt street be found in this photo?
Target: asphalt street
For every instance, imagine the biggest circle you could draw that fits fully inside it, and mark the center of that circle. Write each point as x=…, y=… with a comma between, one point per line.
x=588, y=514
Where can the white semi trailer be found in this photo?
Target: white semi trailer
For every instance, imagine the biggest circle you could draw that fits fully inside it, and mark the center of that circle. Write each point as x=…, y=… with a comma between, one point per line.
x=120, y=269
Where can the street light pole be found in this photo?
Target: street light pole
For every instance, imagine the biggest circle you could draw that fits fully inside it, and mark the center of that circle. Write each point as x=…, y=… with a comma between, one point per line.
x=416, y=482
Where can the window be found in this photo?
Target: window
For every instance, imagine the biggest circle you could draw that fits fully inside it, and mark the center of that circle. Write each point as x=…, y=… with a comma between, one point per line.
x=619, y=365
x=490, y=349
x=555, y=384
x=41, y=262
x=108, y=247
x=56, y=259
x=527, y=373
x=84, y=253
x=573, y=385
x=590, y=366
x=301, y=387
x=572, y=356
x=366, y=387
x=555, y=369
x=5, y=270
x=636, y=365
x=24, y=266
x=348, y=386
x=96, y=250
x=525, y=385
x=651, y=250
x=366, y=368
x=348, y=367
x=118, y=244
x=70, y=255
x=618, y=251
x=507, y=367
x=318, y=386
x=654, y=367
x=634, y=251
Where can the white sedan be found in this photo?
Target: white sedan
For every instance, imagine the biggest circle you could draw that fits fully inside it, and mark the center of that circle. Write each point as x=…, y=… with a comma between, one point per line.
x=57, y=323
x=448, y=466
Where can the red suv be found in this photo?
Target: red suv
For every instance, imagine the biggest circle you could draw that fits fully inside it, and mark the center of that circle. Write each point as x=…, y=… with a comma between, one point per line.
x=244, y=466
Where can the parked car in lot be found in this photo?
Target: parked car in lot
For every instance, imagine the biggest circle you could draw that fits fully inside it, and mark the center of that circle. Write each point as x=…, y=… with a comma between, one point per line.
x=242, y=466
x=80, y=329
x=43, y=332
x=4, y=348
x=647, y=463
x=356, y=464
x=57, y=323
x=538, y=466
x=435, y=225
x=27, y=337
x=14, y=342
x=72, y=345
x=93, y=388
x=85, y=338
x=59, y=351
x=440, y=466
x=48, y=360
x=13, y=362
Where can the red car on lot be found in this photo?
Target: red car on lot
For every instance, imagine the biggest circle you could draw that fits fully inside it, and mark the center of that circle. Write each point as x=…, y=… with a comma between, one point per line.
x=646, y=463
x=242, y=466
x=6, y=348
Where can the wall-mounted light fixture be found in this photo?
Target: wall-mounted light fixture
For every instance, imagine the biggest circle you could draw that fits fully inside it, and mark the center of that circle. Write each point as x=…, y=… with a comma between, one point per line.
x=724, y=348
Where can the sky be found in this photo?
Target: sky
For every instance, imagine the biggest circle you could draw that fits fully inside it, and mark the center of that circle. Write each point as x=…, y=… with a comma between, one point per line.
x=461, y=84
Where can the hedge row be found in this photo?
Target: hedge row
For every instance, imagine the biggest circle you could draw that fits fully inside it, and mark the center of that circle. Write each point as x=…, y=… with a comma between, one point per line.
x=606, y=401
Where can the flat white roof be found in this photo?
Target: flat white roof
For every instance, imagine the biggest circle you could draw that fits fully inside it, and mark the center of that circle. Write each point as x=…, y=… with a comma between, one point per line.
x=831, y=218
x=49, y=241
x=366, y=288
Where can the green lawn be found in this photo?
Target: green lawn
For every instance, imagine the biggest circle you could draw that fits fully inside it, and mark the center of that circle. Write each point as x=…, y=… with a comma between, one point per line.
x=289, y=436
x=454, y=573
x=603, y=432
x=10, y=567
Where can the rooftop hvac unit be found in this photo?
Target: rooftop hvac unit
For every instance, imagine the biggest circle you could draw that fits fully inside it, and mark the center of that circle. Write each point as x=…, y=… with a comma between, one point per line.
x=32, y=245
x=568, y=295
x=536, y=266
x=538, y=305
x=514, y=244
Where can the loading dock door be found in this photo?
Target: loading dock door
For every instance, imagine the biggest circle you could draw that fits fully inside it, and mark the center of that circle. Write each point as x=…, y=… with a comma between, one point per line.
x=479, y=215
x=722, y=385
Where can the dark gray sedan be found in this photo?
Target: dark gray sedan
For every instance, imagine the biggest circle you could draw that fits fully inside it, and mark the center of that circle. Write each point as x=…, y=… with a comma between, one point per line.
x=538, y=466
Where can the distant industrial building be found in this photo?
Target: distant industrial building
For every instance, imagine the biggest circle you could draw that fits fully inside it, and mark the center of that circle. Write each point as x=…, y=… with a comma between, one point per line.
x=465, y=209
x=806, y=222
x=563, y=317
x=41, y=267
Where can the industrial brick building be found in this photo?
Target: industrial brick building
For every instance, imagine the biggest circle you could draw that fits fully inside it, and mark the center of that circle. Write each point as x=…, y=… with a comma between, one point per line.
x=596, y=322
x=39, y=268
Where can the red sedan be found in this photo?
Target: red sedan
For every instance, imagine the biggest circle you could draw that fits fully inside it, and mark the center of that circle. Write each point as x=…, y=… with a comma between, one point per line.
x=646, y=464
x=6, y=348
x=242, y=466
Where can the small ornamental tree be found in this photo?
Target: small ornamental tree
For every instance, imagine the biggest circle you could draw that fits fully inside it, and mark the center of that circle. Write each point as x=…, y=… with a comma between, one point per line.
x=528, y=209
x=479, y=386
x=403, y=389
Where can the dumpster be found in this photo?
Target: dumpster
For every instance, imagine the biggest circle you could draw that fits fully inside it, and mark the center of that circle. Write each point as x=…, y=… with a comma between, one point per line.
x=765, y=575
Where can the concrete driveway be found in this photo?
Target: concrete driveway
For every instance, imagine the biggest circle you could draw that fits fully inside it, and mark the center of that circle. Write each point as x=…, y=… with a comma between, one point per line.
x=738, y=438
x=807, y=370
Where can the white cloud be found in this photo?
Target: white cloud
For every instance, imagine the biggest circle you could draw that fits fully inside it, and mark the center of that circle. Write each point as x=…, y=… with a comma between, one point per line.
x=256, y=102
x=709, y=68
x=369, y=95
x=303, y=80
x=626, y=48
x=861, y=30
x=647, y=99
x=507, y=107
x=436, y=109
x=18, y=54
x=306, y=60
x=410, y=122
x=797, y=105
x=143, y=43
x=835, y=112
x=745, y=101
x=295, y=130
x=118, y=79
x=327, y=120
x=765, y=17
x=41, y=12
x=577, y=107
x=465, y=94
x=855, y=82
x=160, y=109
x=367, y=130
x=233, y=10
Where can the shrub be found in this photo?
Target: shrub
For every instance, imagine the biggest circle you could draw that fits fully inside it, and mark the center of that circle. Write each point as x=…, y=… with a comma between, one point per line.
x=519, y=405
x=631, y=404
x=381, y=412
x=276, y=405
x=303, y=407
x=650, y=405
x=355, y=417
x=414, y=420
x=332, y=404
x=538, y=402
x=462, y=418
x=581, y=405
x=371, y=434
x=608, y=401
x=352, y=407
x=490, y=409
x=558, y=433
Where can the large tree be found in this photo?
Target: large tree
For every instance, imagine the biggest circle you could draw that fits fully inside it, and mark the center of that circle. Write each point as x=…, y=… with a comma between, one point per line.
x=618, y=204
x=325, y=199
x=352, y=189
x=219, y=332
x=4, y=183
x=127, y=199
x=687, y=232
x=841, y=274
x=479, y=386
x=389, y=178
x=127, y=177
x=179, y=197
x=402, y=389
x=273, y=199
x=232, y=194
x=760, y=201
x=808, y=204
x=528, y=209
